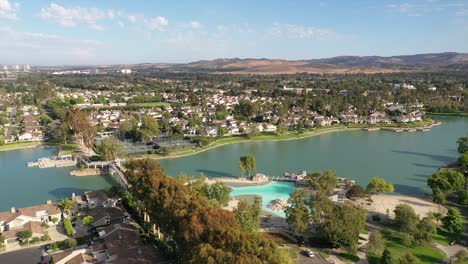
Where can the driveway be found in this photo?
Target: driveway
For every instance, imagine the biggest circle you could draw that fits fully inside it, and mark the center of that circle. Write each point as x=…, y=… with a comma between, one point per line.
x=29, y=255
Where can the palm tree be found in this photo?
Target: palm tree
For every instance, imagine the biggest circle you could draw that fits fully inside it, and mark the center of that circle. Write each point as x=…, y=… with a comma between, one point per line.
x=66, y=205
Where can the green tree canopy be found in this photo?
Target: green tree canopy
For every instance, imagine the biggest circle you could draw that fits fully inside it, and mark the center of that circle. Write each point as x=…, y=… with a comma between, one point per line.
x=405, y=217
x=324, y=181
x=297, y=213
x=378, y=184
x=387, y=257
x=454, y=221
x=462, y=145
x=376, y=244
x=88, y=220
x=111, y=148
x=248, y=215
x=248, y=164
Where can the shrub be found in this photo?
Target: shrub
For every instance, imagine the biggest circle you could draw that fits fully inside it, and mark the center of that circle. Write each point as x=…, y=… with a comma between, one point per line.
x=376, y=217
x=35, y=240
x=68, y=227
x=46, y=237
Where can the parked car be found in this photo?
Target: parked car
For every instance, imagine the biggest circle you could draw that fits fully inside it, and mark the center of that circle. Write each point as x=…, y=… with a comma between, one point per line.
x=309, y=253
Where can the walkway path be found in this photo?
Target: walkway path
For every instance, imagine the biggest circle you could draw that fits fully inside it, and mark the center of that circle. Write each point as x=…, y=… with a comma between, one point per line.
x=450, y=251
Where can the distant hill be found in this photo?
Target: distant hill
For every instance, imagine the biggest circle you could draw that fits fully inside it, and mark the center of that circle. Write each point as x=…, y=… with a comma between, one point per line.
x=341, y=64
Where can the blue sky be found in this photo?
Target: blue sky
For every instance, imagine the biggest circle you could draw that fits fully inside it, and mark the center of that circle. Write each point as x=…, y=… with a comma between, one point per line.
x=107, y=32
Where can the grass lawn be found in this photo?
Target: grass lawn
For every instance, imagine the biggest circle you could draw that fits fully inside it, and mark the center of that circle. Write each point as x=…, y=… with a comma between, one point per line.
x=324, y=254
x=348, y=258
x=449, y=114
x=18, y=145
x=442, y=237
x=408, y=125
x=278, y=238
x=65, y=149
x=425, y=253
x=290, y=252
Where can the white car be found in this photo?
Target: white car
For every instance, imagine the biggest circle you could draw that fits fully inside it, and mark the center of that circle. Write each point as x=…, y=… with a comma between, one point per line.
x=309, y=253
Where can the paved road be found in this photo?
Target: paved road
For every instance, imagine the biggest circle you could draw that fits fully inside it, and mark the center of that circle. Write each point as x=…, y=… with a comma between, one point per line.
x=27, y=256
x=304, y=259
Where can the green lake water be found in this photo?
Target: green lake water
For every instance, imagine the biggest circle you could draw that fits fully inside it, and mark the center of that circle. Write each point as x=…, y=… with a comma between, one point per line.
x=22, y=186
x=406, y=159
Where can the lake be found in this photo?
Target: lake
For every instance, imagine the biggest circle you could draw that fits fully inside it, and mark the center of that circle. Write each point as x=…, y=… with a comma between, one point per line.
x=22, y=186
x=405, y=159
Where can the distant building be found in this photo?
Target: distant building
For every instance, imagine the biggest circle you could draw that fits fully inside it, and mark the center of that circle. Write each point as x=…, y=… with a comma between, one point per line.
x=125, y=71
x=404, y=86
x=432, y=88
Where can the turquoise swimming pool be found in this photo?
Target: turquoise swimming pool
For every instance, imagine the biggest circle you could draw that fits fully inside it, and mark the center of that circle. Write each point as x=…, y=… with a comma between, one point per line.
x=268, y=192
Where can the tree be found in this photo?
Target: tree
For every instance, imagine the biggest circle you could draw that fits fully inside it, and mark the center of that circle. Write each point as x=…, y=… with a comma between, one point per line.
x=408, y=258
x=437, y=216
x=376, y=243
x=201, y=232
x=462, y=145
x=425, y=229
x=25, y=235
x=80, y=125
x=253, y=131
x=355, y=192
x=378, y=184
x=66, y=205
x=386, y=257
x=2, y=141
x=324, y=181
x=297, y=213
x=248, y=215
x=339, y=225
x=248, y=164
x=219, y=192
x=463, y=161
x=88, y=220
x=445, y=182
x=453, y=221
x=405, y=217
x=149, y=127
x=59, y=132
x=111, y=148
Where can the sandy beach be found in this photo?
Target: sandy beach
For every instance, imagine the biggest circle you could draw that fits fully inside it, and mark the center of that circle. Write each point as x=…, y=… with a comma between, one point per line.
x=382, y=202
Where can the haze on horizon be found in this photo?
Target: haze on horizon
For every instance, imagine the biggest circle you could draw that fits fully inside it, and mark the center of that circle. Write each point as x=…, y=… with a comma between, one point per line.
x=125, y=32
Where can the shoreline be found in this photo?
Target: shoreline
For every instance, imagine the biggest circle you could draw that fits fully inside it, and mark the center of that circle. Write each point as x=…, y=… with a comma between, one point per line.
x=270, y=138
x=256, y=139
x=23, y=145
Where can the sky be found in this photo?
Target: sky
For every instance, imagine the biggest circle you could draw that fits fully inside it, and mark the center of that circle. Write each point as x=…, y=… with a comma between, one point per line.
x=90, y=32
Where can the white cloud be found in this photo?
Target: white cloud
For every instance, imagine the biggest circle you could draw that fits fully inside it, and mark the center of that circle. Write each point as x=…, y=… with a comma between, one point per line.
x=31, y=48
x=300, y=32
x=423, y=7
x=132, y=18
x=76, y=16
x=121, y=24
x=157, y=23
x=195, y=24
x=8, y=10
